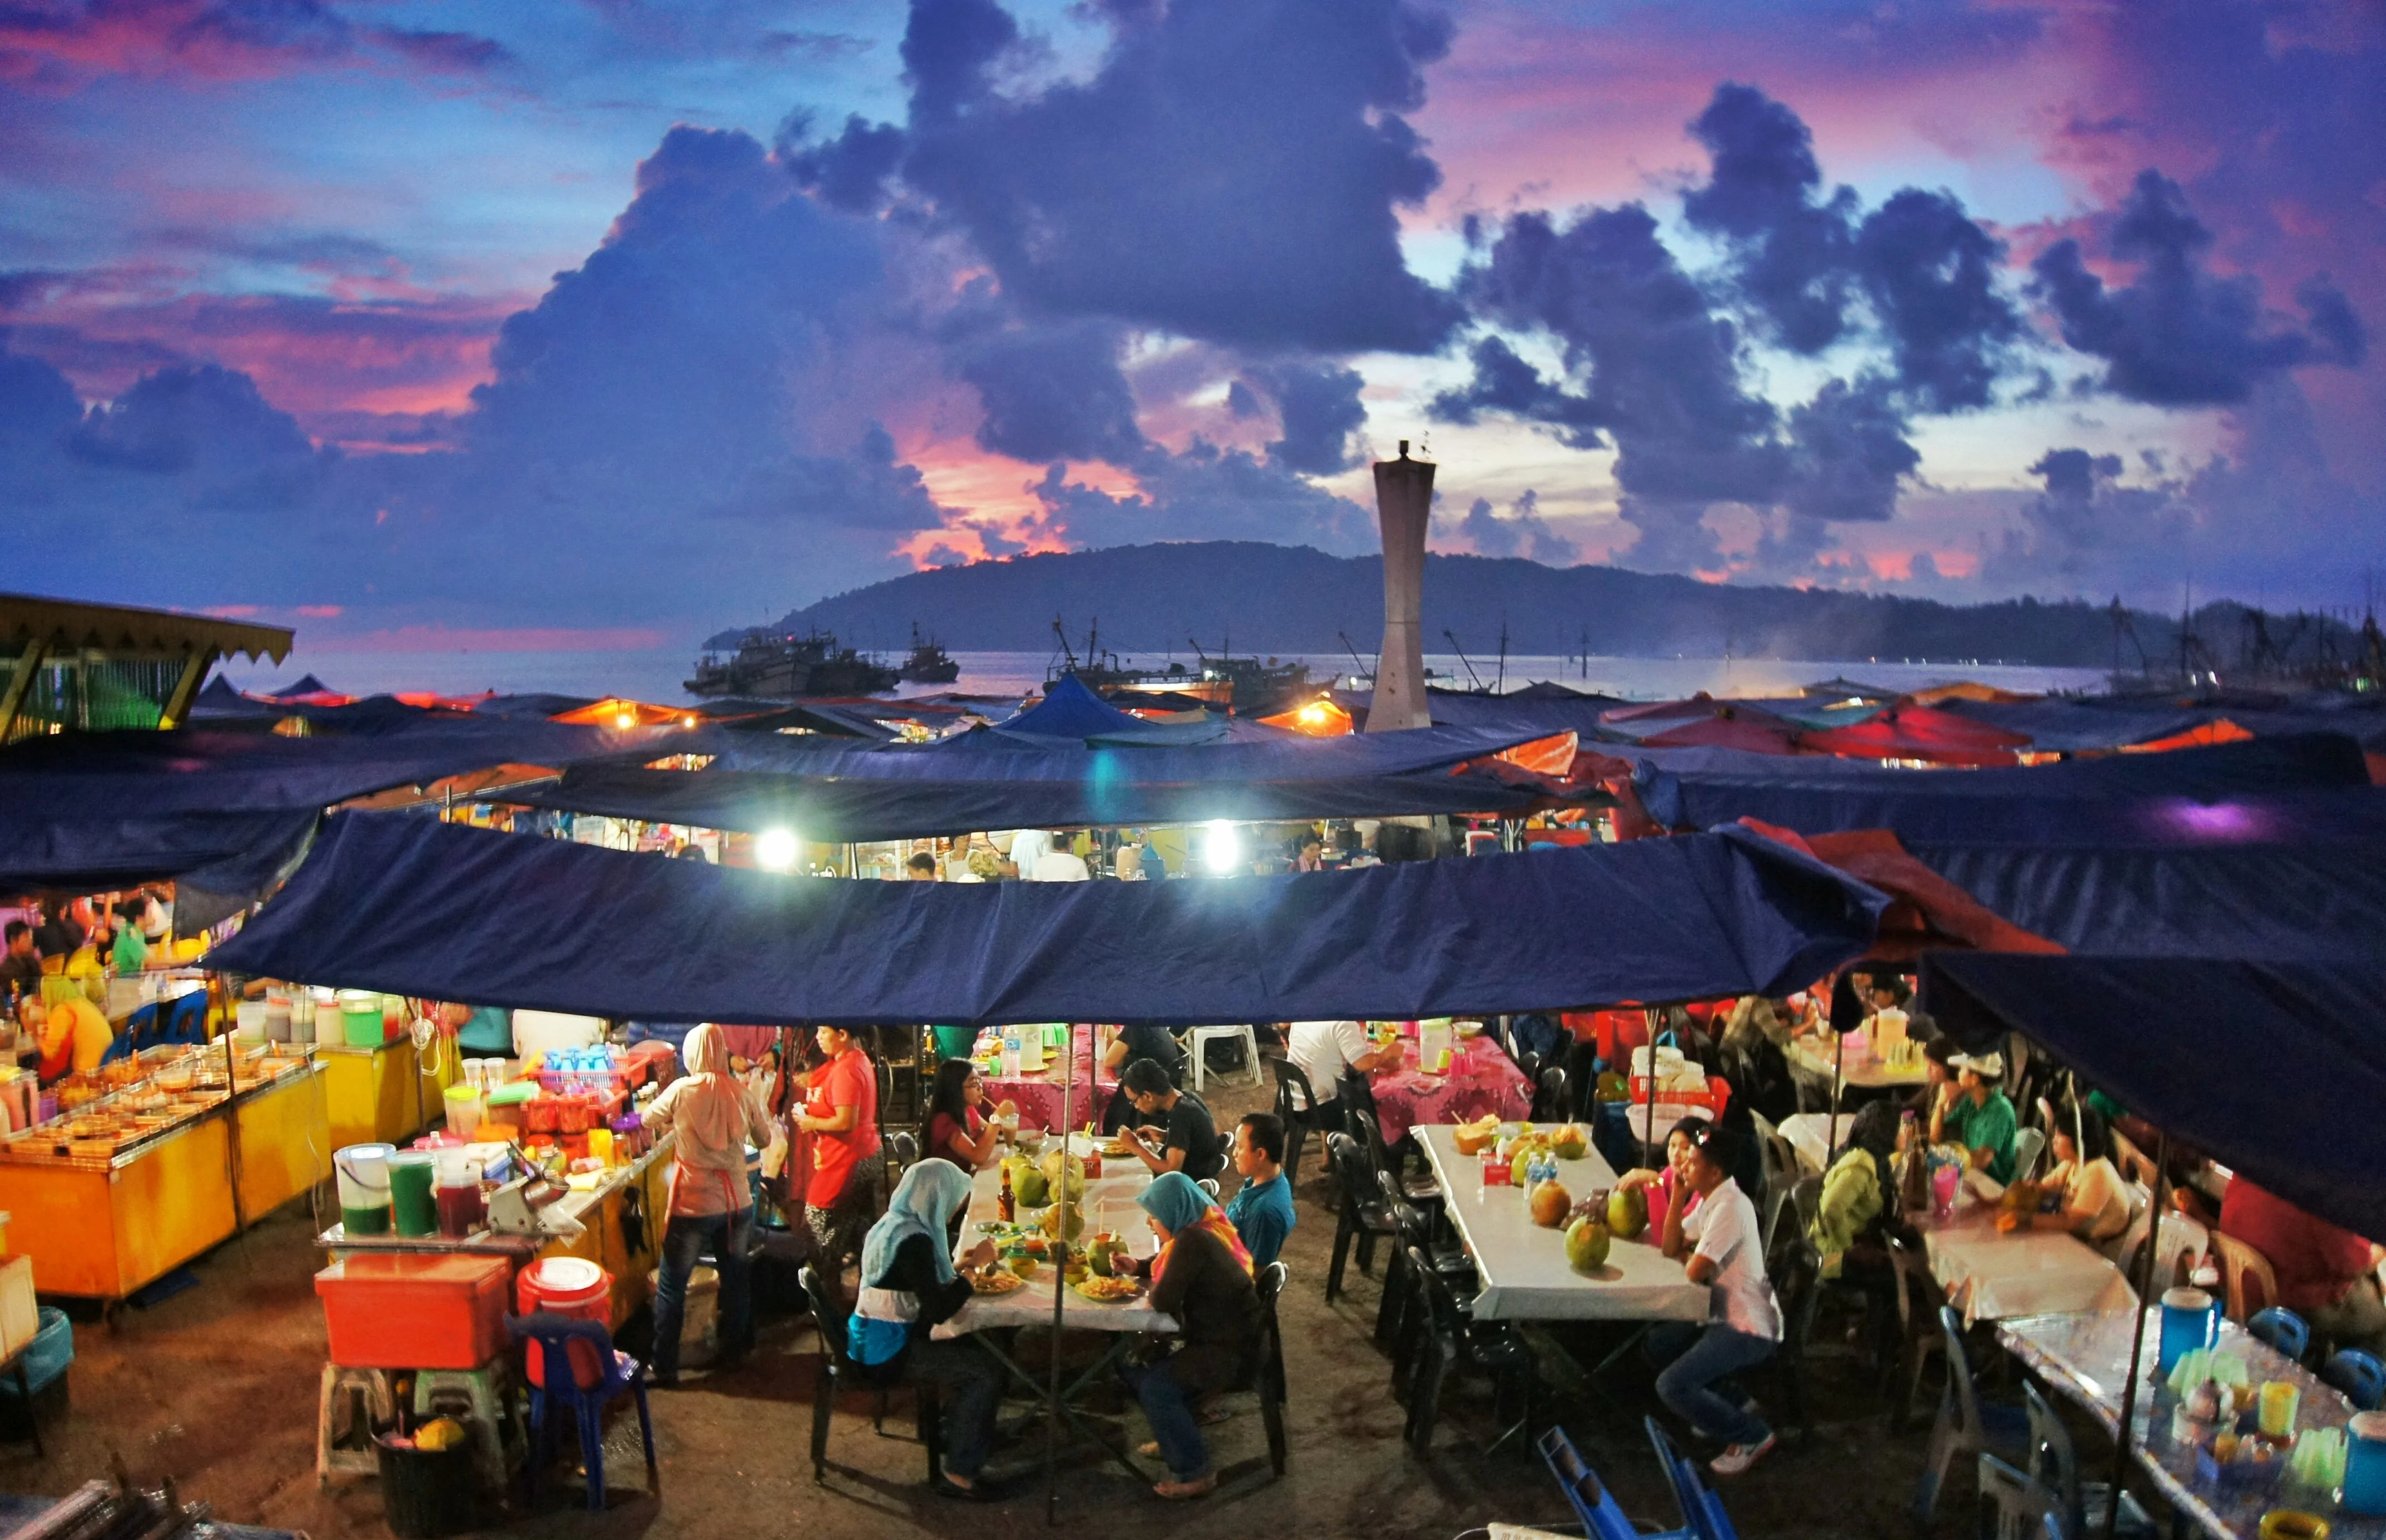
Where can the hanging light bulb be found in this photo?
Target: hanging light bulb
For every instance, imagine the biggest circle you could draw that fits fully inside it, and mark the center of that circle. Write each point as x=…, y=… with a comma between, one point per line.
x=1224, y=851
x=777, y=849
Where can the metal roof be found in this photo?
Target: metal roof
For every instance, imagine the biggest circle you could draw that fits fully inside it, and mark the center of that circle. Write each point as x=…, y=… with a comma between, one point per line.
x=61, y=626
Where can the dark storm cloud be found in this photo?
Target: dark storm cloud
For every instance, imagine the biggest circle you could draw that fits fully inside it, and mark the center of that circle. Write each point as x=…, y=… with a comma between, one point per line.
x=1522, y=532
x=851, y=171
x=1931, y=274
x=1318, y=410
x=1507, y=384
x=1792, y=253
x=1209, y=494
x=37, y=405
x=1052, y=390
x=2084, y=528
x=1846, y=453
x=1232, y=172
x=2179, y=335
x=180, y=419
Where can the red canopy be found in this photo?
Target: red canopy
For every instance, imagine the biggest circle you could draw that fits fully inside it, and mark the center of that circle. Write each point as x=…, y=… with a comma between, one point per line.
x=1754, y=732
x=1910, y=731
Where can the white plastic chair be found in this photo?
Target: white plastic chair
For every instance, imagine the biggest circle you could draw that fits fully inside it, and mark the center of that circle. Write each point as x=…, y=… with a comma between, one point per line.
x=1202, y=1036
x=2028, y=1145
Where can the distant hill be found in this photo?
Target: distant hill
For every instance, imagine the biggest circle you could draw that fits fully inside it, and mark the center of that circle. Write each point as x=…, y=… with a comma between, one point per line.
x=1295, y=600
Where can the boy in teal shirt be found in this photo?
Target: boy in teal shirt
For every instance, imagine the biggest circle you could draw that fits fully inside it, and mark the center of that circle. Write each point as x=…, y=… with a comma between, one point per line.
x=1975, y=1113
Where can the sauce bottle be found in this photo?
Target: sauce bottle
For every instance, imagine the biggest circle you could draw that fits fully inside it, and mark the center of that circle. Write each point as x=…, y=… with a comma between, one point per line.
x=1007, y=1205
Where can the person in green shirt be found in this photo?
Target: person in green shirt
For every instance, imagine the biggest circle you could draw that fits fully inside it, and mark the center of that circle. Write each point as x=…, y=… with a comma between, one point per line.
x=131, y=953
x=1973, y=1112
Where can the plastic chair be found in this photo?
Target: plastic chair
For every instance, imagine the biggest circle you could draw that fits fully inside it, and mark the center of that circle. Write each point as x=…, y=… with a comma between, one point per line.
x=1361, y=1216
x=1450, y=1340
x=2358, y=1374
x=554, y=1335
x=2283, y=1329
x=1402, y=1312
x=1779, y=1161
x=2029, y=1143
x=2054, y=1463
x=1268, y=1377
x=1703, y=1514
x=1602, y=1517
x=1966, y=1425
x=1294, y=1113
x=1415, y=1188
x=2239, y=1263
x=2013, y=1506
x=1241, y=1032
x=837, y=1372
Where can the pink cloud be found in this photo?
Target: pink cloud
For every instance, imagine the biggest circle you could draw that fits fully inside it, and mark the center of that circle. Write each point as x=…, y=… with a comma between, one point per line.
x=414, y=639
x=319, y=611
x=58, y=48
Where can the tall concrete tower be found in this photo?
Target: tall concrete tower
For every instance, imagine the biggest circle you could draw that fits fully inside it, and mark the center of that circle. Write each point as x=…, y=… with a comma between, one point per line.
x=1403, y=505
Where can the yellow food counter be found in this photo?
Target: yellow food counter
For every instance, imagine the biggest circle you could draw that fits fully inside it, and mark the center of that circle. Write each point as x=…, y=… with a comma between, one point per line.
x=380, y=1095
x=103, y=1226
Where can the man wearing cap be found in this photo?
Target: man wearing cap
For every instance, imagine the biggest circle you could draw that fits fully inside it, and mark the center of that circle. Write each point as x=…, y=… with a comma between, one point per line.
x=1973, y=1112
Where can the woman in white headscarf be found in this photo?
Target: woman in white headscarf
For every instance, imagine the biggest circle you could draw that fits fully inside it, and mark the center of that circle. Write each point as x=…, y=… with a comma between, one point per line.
x=909, y=1286
x=713, y=1117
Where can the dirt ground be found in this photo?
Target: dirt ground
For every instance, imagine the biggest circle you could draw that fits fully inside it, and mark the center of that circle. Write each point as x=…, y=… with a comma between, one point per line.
x=216, y=1385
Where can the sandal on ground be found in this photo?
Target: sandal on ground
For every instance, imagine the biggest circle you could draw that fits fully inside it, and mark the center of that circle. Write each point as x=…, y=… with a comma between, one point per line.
x=982, y=1491
x=1182, y=1491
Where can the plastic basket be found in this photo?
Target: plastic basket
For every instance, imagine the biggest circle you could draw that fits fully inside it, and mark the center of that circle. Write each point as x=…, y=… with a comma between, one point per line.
x=52, y=1351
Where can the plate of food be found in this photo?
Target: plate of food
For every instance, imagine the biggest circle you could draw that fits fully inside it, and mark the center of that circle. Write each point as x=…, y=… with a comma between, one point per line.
x=1107, y=1291
x=996, y=1278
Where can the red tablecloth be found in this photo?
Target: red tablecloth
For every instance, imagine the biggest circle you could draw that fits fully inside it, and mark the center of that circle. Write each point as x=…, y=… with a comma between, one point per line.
x=1039, y=1095
x=1482, y=1079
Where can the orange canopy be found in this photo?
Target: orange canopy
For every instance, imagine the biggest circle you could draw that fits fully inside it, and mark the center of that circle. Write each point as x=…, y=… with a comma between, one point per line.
x=1316, y=718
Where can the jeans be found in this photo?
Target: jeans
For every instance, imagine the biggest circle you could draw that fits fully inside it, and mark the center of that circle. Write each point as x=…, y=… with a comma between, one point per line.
x=687, y=1237
x=1691, y=1360
x=971, y=1383
x=1168, y=1406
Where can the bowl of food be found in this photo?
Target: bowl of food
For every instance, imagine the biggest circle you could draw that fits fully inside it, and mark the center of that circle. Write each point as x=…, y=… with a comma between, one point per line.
x=995, y=1280
x=1107, y=1291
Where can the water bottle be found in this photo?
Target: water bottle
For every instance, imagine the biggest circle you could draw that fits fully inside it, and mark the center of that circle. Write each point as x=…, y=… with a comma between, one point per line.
x=1010, y=1053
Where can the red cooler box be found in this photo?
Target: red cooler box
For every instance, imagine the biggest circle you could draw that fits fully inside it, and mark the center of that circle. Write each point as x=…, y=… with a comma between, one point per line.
x=414, y=1313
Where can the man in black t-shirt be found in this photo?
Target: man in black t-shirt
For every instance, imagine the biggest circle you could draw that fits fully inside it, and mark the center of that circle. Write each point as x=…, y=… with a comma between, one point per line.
x=1178, y=1134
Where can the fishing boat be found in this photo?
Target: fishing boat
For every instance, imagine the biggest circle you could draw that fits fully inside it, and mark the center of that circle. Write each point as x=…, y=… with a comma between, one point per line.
x=781, y=666
x=928, y=662
x=1252, y=687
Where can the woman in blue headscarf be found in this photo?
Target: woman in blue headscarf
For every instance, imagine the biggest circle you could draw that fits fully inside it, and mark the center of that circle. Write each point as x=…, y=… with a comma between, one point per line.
x=1201, y=1276
x=909, y=1286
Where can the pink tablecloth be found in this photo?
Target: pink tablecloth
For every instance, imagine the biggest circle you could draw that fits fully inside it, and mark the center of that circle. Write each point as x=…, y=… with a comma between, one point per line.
x=1482, y=1079
x=1039, y=1095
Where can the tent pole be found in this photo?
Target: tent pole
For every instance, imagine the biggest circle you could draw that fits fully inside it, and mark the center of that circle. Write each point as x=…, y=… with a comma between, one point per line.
x=1060, y=1283
x=2137, y=1338
x=1648, y=1125
x=1839, y=1056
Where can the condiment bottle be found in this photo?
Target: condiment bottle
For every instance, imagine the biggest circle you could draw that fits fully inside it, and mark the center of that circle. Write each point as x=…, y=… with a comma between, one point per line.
x=1007, y=1205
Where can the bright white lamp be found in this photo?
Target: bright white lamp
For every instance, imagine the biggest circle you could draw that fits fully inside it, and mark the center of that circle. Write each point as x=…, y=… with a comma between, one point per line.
x=1224, y=850
x=776, y=849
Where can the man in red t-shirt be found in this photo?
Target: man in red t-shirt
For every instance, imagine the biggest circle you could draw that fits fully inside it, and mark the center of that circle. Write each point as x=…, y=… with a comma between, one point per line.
x=840, y=1117
x=2327, y=1276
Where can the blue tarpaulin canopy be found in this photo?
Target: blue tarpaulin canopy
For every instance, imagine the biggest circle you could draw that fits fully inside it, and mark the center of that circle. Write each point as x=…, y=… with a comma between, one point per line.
x=2232, y=993
x=408, y=905
x=88, y=810
x=1704, y=787
x=1071, y=715
x=869, y=794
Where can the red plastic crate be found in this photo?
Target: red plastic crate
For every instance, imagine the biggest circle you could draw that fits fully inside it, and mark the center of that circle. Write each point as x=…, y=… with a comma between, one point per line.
x=414, y=1313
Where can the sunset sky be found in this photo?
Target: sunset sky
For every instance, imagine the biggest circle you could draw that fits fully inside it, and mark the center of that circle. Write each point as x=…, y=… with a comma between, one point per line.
x=421, y=323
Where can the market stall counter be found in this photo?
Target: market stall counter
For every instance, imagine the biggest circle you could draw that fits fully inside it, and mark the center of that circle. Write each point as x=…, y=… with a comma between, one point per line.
x=620, y=1215
x=158, y=1158
x=386, y=1092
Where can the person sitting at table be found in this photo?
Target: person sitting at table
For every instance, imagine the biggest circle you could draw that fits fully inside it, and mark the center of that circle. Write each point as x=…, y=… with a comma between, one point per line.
x=957, y=1130
x=2095, y=1199
x=72, y=1032
x=711, y=1115
x=22, y=964
x=1659, y=1188
x=920, y=868
x=1262, y=1211
x=1937, y=1052
x=1133, y=1044
x=909, y=1286
x=2325, y=1274
x=1721, y=1245
x=60, y=934
x=1201, y=1276
x=1182, y=1138
x=1973, y=1112
x=1324, y=1051
x=1855, y=1194
x=841, y=1115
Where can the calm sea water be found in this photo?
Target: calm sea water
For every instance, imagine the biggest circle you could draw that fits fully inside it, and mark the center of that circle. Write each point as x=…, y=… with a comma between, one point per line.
x=657, y=675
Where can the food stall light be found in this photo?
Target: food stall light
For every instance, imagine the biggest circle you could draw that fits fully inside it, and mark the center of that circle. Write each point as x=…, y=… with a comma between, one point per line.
x=626, y=717
x=1224, y=851
x=1313, y=714
x=776, y=849
x=688, y=720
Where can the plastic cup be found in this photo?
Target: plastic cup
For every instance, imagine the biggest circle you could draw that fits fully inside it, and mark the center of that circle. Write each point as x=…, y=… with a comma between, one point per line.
x=2281, y=1400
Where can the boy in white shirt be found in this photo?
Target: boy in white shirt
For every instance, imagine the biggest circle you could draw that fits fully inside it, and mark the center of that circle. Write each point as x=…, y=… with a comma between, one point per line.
x=1723, y=1247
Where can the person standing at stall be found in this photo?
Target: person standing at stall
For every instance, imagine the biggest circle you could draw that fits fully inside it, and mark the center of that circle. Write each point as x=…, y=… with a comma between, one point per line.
x=20, y=966
x=841, y=1115
x=711, y=1116
x=72, y=1033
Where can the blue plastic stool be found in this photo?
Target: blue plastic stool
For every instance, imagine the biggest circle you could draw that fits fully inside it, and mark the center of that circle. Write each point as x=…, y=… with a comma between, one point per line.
x=554, y=1334
x=2358, y=1374
x=1701, y=1509
x=1602, y=1518
x=2283, y=1329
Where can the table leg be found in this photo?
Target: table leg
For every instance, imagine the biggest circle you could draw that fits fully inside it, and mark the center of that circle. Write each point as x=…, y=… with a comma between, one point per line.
x=1065, y=1408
